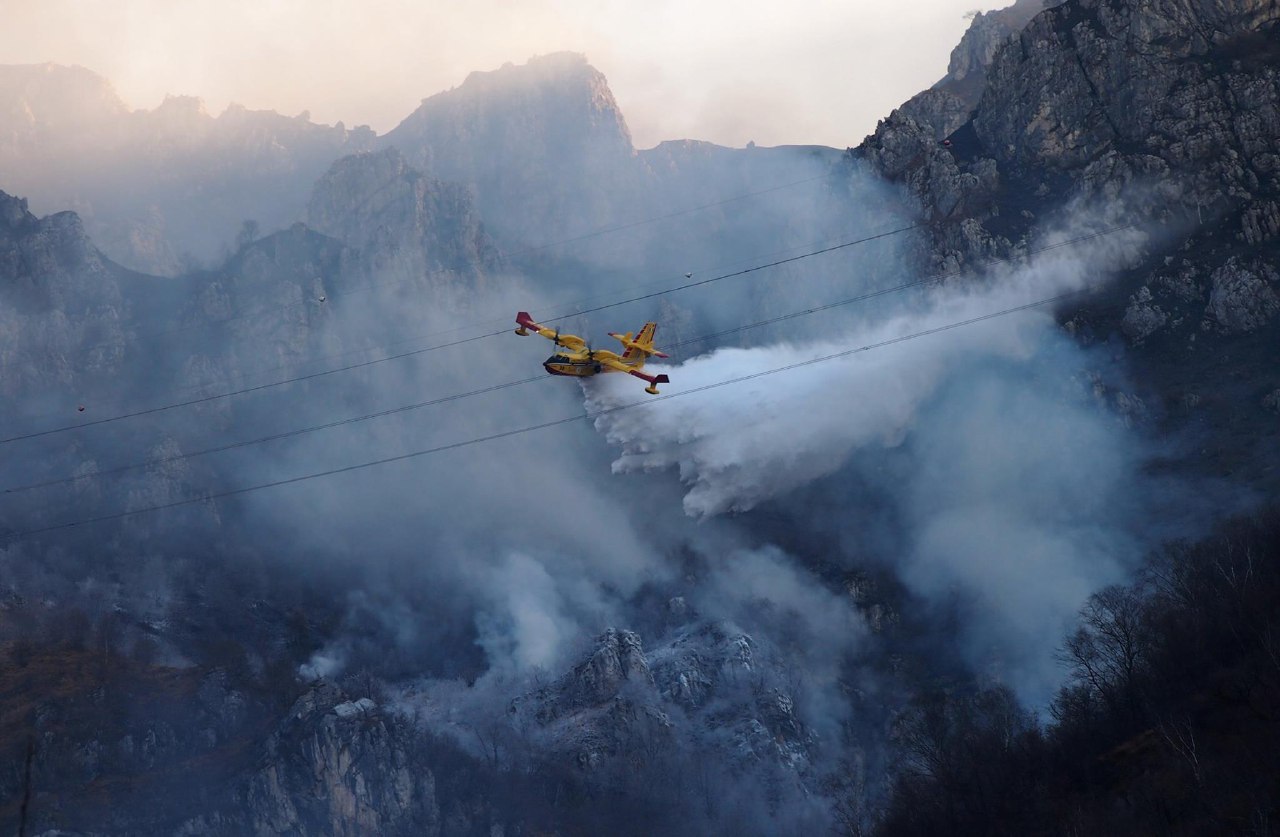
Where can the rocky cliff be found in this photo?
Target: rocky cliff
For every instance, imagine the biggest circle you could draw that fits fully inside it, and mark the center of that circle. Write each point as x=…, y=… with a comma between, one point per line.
x=1090, y=99
x=110, y=746
x=1160, y=113
x=160, y=673
x=160, y=190
x=544, y=145
x=336, y=766
x=548, y=154
x=60, y=299
x=402, y=221
x=948, y=104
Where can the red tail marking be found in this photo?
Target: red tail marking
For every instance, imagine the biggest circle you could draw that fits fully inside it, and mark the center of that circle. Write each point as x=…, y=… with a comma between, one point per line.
x=653, y=379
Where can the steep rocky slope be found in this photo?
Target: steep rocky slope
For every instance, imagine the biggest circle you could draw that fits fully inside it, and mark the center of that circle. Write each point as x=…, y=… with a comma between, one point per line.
x=549, y=156
x=948, y=104
x=1164, y=114
x=1092, y=98
x=544, y=144
x=63, y=316
x=402, y=221
x=99, y=743
x=159, y=190
x=688, y=722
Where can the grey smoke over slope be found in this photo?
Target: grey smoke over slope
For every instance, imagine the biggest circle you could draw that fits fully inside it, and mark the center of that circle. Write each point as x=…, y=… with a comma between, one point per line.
x=986, y=468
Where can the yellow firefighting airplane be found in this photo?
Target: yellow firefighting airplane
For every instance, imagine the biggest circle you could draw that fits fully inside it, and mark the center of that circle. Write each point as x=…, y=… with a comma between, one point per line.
x=580, y=361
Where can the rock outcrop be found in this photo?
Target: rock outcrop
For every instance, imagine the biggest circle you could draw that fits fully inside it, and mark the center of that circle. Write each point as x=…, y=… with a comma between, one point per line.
x=402, y=221
x=1244, y=297
x=63, y=318
x=164, y=190
x=544, y=145
x=340, y=767
x=703, y=690
x=1166, y=114
x=945, y=107
x=1096, y=100
x=1184, y=95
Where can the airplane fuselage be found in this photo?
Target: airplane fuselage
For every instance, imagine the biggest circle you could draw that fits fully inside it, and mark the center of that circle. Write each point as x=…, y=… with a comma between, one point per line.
x=577, y=360
x=565, y=365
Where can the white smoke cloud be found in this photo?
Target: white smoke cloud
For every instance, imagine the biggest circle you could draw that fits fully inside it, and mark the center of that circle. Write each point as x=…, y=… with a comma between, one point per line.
x=527, y=624
x=1007, y=476
x=737, y=446
x=324, y=663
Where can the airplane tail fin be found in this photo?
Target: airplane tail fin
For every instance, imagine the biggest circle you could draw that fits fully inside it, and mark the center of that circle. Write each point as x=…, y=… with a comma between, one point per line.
x=640, y=347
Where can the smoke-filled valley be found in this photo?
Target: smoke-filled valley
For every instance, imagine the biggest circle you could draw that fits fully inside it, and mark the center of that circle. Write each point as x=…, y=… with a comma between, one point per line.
x=296, y=537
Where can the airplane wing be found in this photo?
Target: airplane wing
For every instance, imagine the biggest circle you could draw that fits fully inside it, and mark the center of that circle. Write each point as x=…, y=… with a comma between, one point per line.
x=569, y=341
x=640, y=343
x=653, y=380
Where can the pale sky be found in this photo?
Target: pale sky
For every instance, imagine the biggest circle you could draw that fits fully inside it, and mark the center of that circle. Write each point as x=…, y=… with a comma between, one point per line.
x=728, y=71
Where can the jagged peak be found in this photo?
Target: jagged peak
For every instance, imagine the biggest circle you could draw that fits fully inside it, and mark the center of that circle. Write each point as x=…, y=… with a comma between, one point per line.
x=385, y=159
x=560, y=92
x=13, y=211
x=560, y=71
x=64, y=73
x=183, y=105
x=16, y=216
x=555, y=65
x=618, y=657
x=71, y=91
x=686, y=146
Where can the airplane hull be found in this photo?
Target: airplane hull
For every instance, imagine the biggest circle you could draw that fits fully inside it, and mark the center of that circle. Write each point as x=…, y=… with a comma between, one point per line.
x=578, y=360
x=574, y=370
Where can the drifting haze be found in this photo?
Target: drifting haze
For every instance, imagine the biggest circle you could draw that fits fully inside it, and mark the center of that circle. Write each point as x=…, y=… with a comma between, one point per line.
x=818, y=71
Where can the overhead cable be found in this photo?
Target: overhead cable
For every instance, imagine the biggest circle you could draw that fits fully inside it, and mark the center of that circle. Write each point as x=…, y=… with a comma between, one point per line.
x=544, y=425
x=400, y=355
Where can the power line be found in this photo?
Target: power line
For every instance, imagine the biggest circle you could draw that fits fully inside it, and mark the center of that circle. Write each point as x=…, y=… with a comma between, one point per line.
x=163, y=460
x=548, y=424
x=699, y=283
x=401, y=355
x=442, y=273
x=928, y=280
x=577, y=311
x=605, y=230
x=459, y=396
x=568, y=304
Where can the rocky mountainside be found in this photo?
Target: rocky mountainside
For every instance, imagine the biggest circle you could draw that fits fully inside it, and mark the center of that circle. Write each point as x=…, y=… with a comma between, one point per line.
x=159, y=190
x=182, y=619
x=331, y=658
x=550, y=158
x=46, y=105
x=96, y=740
x=948, y=104
x=1089, y=99
x=109, y=745
x=402, y=221
x=1165, y=114
x=61, y=299
x=706, y=686
x=544, y=145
